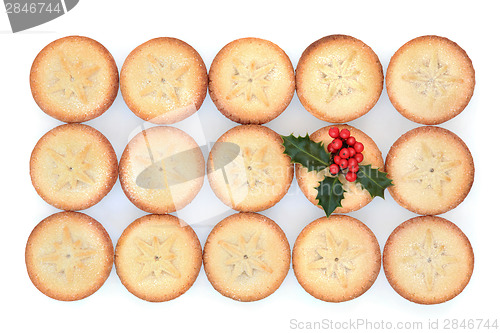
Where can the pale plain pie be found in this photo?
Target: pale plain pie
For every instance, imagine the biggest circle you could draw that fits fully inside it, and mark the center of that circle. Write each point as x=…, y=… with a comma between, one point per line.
x=247, y=168
x=428, y=260
x=246, y=257
x=74, y=79
x=336, y=258
x=251, y=81
x=432, y=170
x=69, y=256
x=161, y=169
x=73, y=166
x=355, y=197
x=339, y=78
x=163, y=80
x=430, y=80
x=158, y=257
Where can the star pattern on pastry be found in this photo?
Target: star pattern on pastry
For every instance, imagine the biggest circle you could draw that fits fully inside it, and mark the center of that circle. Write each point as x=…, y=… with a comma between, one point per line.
x=337, y=259
x=73, y=78
x=432, y=78
x=341, y=77
x=246, y=257
x=429, y=259
x=164, y=80
x=68, y=255
x=431, y=169
x=71, y=167
x=255, y=166
x=156, y=258
x=251, y=81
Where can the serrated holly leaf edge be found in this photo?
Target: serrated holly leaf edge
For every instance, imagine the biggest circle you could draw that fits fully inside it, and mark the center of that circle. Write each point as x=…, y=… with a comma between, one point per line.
x=337, y=181
x=335, y=178
x=318, y=159
x=384, y=174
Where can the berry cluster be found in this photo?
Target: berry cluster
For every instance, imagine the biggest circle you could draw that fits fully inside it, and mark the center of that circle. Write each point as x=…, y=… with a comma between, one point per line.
x=345, y=153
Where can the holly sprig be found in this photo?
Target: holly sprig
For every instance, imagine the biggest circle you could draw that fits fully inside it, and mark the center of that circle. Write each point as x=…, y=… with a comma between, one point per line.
x=341, y=157
x=310, y=154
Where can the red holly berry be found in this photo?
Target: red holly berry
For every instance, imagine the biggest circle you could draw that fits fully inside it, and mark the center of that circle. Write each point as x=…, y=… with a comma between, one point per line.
x=343, y=163
x=330, y=148
x=354, y=168
x=337, y=144
x=334, y=132
x=359, y=157
x=352, y=152
x=351, y=176
x=352, y=162
x=336, y=159
x=358, y=146
x=334, y=169
x=350, y=141
x=344, y=153
x=345, y=133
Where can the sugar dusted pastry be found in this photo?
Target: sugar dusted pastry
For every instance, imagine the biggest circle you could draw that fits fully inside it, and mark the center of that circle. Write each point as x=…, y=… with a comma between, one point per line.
x=247, y=169
x=428, y=260
x=432, y=170
x=339, y=78
x=158, y=257
x=251, y=81
x=74, y=79
x=246, y=257
x=73, y=167
x=336, y=258
x=430, y=80
x=69, y=256
x=163, y=80
x=161, y=170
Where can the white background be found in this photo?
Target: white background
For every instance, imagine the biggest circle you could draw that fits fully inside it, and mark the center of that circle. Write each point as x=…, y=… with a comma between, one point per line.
x=208, y=26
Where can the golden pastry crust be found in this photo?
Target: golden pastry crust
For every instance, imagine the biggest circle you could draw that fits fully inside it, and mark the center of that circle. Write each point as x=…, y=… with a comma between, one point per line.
x=430, y=80
x=339, y=78
x=74, y=79
x=164, y=80
x=73, y=166
x=432, y=170
x=246, y=257
x=259, y=175
x=355, y=197
x=428, y=260
x=251, y=81
x=158, y=257
x=336, y=258
x=161, y=170
x=69, y=256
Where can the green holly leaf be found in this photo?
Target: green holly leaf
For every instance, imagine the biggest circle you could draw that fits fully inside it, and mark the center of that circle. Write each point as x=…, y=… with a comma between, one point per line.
x=311, y=155
x=330, y=194
x=373, y=180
